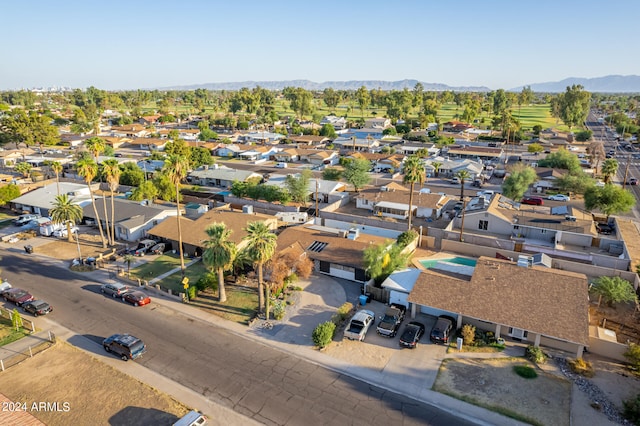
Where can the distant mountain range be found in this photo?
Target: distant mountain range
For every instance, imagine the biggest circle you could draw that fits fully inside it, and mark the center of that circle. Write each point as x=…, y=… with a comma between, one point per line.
x=607, y=84
x=338, y=85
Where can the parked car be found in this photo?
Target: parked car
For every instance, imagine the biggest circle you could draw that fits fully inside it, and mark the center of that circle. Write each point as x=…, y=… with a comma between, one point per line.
x=125, y=346
x=412, y=334
x=143, y=247
x=441, y=332
x=559, y=197
x=4, y=285
x=136, y=298
x=159, y=248
x=604, y=229
x=25, y=218
x=192, y=418
x=455, y=180
x=37, y=307
x=535, y=201
x=62, y=232
x=487, y=193
x=359, y=325
x=632, y=181
x=17, y=296
x=114, y=289
x=390, y=322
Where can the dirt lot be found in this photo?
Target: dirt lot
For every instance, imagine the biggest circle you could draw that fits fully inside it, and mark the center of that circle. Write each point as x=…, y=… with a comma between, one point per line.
x=492, y=382
x=62, y=249
x=623, y=319
x=96, y=393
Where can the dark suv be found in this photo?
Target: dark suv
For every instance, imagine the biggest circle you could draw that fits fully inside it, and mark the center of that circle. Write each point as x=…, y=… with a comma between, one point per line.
x=441, y=332
x=125, y=346
x=390, y=322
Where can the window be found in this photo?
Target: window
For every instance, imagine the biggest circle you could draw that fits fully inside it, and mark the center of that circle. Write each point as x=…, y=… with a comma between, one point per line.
x=483, y=224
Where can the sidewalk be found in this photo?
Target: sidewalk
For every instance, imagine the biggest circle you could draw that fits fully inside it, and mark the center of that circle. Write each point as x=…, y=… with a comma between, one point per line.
x=317, y=303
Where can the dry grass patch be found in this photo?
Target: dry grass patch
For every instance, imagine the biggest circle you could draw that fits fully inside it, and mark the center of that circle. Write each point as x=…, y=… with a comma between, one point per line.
x=493, y=384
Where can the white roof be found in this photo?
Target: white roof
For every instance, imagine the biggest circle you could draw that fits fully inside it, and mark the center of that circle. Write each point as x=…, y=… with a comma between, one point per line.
x=402, y=281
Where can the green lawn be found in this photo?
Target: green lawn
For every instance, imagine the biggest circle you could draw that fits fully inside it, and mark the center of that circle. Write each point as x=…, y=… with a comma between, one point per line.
x=9, y=334
x=240, y=307
x=193, y=272
x=156, y=267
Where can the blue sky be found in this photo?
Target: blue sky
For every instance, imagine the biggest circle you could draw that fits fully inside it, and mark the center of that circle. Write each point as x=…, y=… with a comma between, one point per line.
x=145, y=44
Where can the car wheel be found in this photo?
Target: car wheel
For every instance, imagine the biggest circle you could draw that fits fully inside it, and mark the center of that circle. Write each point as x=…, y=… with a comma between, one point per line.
x=101, y=290
x=124, y=300
x=107, y=348
x=35, y=314
x=125, y=358
x=136, y=304
x=113, y=295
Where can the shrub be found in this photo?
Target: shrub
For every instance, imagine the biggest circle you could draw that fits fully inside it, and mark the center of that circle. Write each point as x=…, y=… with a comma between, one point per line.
x=291, y=279
x=582, y=367
x=468, y=334
x=631, y=409
x=208, y=280
x=278, y=310
x=633, y=355
x=406, y=238
x=192, y=292
x=343, y=312
x=323, y=334
x=525, y=371
x=535, y=354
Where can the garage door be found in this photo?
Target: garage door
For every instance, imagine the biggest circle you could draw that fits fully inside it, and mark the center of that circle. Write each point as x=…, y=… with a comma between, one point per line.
x=398, y=297
x=436, y=312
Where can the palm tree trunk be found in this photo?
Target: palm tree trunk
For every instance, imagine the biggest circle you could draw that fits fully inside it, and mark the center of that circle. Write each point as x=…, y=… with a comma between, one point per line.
x=113, y=225
x=267, y=298
x=106, y=221
x=58, y=183
x=222, y=293
x=410, y=206
x=260, y=289
x=179, y=230
x=461, y=189
x=95, y=210
x=69, y=236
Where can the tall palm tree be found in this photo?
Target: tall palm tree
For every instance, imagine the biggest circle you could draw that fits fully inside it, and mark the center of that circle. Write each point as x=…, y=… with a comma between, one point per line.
x=219, y=254
x=96, y=146
x=88, y=169
x=64, y=211
x=609, y=169
x=436, y=167
x=413, y=172
x=111, y=170
x=128, y=259
x=462, y=175
x=261, y=247
x=56, y=167
x=176, y=168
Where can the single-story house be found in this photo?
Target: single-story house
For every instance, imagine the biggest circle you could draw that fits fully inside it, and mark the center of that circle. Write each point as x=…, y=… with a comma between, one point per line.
x=534, y=304
x=476, y=152
x=354, y=143
x=310, y=140
x=261, y=137
x=222, y=177
x=130, y=131
x=288, y=155
x=40, y=201
x=399, y=285
x=395, y=204
x=151, y=144
x=227, y=151
x=338, y=123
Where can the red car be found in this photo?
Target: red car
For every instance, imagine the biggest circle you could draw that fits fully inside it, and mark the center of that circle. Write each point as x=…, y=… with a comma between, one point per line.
x=534, y=201
x=136, y=298
x=17, y=296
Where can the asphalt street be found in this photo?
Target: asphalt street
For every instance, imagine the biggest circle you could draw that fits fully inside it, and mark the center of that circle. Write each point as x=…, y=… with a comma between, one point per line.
x=260, y=382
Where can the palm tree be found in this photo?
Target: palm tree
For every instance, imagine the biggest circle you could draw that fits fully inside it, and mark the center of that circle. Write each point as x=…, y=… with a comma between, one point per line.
x=128, y=259
x=64, y=211
x=111, y=170
x=56, y=167
x=463, y=176
x=413, y=172
x=261, y=247
x=219, y=254
x=96, y=146
x=88, y=169
x=609, y=169
x=176, y=167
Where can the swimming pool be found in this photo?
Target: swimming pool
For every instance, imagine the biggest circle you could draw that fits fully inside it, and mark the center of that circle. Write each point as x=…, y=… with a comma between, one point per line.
x=430, y=263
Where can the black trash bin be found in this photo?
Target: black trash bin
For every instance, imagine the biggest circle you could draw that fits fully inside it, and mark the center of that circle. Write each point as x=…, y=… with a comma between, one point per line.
x=28, y=249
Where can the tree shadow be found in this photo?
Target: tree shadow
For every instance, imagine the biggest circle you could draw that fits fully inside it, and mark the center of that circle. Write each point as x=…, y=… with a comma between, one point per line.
x=140, y=416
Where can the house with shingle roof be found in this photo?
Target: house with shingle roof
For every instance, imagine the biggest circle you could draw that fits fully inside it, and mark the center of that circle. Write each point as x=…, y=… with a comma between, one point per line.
x=149, y=120
x=395, y=204
x=132, y=218
x=287, y=155
x=310, y=140
x=222, y=177
x=476, y=152
x=152, y=144
x=227, y=151
x=355, y=143
x=543, y=306
x=130, y=131
x=194, y=234
x=335, y=252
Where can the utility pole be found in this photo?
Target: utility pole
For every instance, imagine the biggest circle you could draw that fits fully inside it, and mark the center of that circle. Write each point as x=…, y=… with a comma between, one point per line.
x=464, y=207
x=626, y=171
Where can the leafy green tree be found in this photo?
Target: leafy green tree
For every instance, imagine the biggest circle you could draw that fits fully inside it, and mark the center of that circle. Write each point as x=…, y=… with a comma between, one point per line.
x=609, y=199
x=219, y=254
x=176, y=168
x=298, y=186
x=66, y=212
x=364, y=99
x=261, y=246
x=584, y=135
x=614, y=290
x=463, y=176
x=331, y=98
x=199, y=157
x=8, y=193
x=517, y=183
x=328, y=131
x=413, y=172
x=535, y=148
x=145, y=191
x=88, y=169
x=23, y=168
x=132, y=175
x=356, y=173
x=178, y=147
x=561, y=159
x=609, y=169
x=16, y=319
x=331, y=173
x=31, y=128
x=300, y=99
x=574, y=105
x=577, y=182
x=382, y=260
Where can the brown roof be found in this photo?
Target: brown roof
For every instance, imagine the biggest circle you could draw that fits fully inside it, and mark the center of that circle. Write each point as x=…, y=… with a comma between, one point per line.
x=148, y=141
x=193, y=231
x=432, y=201
x=309, y=138
x=551, y=302
x=471, y=150
x=338, y=250
x=630, y=234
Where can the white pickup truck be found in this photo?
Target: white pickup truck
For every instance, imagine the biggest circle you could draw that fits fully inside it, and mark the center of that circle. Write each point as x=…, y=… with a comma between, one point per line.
x=359, y=325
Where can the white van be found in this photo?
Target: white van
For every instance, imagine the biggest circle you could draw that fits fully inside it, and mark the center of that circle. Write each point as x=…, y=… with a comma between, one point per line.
x=192, y=418
x=281, y=165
